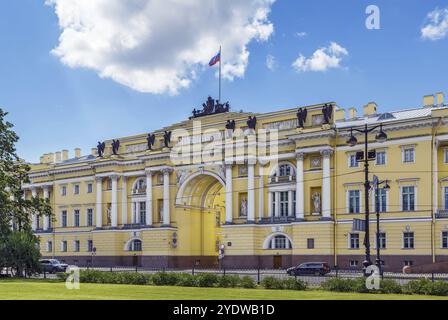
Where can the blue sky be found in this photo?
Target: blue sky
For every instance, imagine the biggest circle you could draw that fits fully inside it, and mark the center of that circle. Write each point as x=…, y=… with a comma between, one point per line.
x=55, y=106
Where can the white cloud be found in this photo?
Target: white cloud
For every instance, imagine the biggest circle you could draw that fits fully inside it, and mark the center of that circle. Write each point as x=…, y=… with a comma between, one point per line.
x=158, y=46
x=301, y=34
x=437, y=25
x=322, y=59
x=271, y=62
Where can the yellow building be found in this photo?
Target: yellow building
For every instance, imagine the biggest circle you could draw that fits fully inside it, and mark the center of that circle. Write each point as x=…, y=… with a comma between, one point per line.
x=268, y=193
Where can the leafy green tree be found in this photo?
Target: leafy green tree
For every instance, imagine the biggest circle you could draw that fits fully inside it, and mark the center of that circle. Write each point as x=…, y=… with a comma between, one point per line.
x=15, y=210
x=20, y=252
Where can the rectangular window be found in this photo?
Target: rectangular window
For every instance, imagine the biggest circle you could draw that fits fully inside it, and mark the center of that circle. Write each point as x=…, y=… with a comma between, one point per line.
x=63, y=191
x=284, y=204
x=76, y=218
x=354, y=201
x=76, y=189
x=142, y=212
x=446, y=198
x=49, y=246
x=352, y=163
x=381, y=200
x=310, y=243
x=354, y=263
x=76, y=245
x=408, y=198
x=293, y=204
x=89, y=188
x=446, y=155
x=89, y=245
x=408, y=155
x=381, y=158
x=280, y=242
x=354, y=241
x=408, y=240
x=64, y=246
x=444, y=240
x=64, y=219
x=409, y=263
x=89, y=217
x=382, y=240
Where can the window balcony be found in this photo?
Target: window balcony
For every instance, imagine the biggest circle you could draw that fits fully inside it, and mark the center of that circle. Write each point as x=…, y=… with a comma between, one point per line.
x=282, y=179
x=442, y=214
x=270, y=220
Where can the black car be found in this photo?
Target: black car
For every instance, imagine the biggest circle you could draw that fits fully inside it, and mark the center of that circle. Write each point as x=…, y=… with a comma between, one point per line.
x=52, y=265
x=309, y=268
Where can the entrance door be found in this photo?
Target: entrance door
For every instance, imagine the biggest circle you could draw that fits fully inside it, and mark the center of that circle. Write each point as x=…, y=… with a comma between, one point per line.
x=277, y=262
x=135, y=261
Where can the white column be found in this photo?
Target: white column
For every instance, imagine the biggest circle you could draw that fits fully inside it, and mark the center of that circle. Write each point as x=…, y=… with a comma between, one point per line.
x=277, y=204
x=250, y=192
x=435, y=178
x=326, y=184
x=300, y=190
x=261, y=192
x=33, y=215
x=166, y=197
x=99, y=202
x=114, y=205
x=271, y=214
x=124, y=200
x=229, y=194
x=46, y=218
x=290, y=200
x=149, y=198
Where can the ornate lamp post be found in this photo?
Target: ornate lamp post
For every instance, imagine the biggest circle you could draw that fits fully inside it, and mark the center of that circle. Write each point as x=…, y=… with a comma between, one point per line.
x=366, y=157
x=376, y=184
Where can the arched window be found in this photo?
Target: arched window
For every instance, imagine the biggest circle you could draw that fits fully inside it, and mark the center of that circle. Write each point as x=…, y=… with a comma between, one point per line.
x=283, y=173
x=135, y=245
x=278, y=241
x=139, y=186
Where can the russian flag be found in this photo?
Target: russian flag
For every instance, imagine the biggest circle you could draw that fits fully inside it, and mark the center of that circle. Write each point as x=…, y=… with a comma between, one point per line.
x=215, y=59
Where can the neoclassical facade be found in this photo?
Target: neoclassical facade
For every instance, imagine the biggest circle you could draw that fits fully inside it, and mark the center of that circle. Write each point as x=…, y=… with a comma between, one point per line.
x=223, y=188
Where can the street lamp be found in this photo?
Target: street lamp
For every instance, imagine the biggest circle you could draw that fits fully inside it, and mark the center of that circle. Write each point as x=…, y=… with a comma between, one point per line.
x=367, y=156
x=376, y=184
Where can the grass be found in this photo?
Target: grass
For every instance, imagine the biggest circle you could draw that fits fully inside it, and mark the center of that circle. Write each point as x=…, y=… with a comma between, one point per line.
x=53, y=290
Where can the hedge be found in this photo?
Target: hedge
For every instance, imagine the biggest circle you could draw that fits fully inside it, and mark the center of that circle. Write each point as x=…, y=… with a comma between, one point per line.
x=387, y=286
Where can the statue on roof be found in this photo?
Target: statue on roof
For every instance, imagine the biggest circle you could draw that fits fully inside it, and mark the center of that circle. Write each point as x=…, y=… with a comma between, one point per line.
x=100, y=148
x=151, y=138
x=301, y=117
x=167, y=139
x=211, y=106
x=327, y=111
x=115, y=146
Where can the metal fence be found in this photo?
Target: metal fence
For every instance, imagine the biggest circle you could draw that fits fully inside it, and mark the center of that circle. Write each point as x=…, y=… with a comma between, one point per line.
x=259, y=274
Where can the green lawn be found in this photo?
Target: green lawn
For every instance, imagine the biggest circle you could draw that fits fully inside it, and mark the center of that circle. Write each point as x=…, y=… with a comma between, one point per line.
x=43, y=290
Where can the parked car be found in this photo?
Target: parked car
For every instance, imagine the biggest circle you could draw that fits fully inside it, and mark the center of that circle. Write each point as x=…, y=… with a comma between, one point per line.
x=52, y=265
x=310, y=268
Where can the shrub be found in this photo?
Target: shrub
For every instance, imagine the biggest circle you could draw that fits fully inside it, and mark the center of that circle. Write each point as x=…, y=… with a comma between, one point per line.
x=439, y=288
x=228, y=281
x=164, y=279
x=272, y=283
x=247, y=282
x=186, y=280
x=294, y=284
x=390, y=286
x=420, y=286
x=130, y=278
x=62, y=276
x=339, y=285
x=207, y=279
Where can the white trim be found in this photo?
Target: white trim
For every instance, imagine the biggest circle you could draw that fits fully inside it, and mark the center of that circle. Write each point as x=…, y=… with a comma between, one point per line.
x=349, y=162
x=415, y=197
x=374, y=145
x=270, y=237
x=445, y=155
x=349, y=246
x=128, y=243
x=385, y=158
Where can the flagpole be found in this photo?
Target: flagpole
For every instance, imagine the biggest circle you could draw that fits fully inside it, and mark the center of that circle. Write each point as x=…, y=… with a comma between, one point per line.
x=220, y=58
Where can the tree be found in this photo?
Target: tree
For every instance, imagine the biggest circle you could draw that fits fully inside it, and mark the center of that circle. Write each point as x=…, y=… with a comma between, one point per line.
x=20, y=252
x=15, y=210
